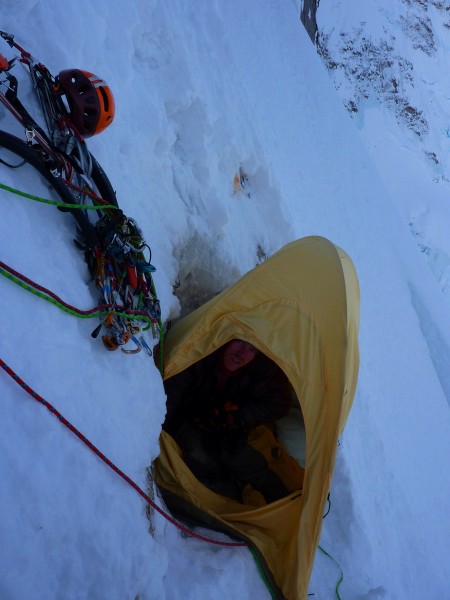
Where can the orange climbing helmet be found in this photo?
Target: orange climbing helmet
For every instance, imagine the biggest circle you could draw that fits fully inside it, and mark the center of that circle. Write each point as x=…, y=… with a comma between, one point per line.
x=90, y=101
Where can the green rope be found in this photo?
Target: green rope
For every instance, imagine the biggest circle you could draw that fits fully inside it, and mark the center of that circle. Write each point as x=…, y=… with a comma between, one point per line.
x=161, y=348
x=341, y=577
x=267, y=582
x=55, y=202
x=262, y=573
x=67, y=309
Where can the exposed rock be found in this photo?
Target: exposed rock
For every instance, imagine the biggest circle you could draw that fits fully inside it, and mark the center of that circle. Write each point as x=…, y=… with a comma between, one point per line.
x=308, y=17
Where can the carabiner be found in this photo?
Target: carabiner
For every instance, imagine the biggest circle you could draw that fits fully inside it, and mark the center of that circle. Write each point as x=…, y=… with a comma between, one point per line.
x=135, y=350
x=146, y=346
x=30, y=134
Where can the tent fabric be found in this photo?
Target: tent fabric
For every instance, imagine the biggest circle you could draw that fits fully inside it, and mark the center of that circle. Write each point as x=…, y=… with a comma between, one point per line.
x=301, y=309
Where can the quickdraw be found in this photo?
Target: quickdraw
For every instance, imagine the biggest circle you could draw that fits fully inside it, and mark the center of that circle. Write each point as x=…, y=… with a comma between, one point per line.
x=113, y=245
x=123, y=276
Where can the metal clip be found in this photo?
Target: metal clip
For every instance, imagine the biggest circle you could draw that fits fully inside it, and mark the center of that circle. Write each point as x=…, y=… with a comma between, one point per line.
x=155, y=331
x=135, y=350
x=146, y=346
x=30, y=134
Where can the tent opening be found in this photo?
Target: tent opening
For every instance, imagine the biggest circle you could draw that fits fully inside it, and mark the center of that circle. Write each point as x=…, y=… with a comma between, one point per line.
x=238, y=424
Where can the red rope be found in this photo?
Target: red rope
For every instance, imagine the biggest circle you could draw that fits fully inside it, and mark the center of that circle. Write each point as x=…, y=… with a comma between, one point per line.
x=87, y=193
x=110, y=464
x=99, y=308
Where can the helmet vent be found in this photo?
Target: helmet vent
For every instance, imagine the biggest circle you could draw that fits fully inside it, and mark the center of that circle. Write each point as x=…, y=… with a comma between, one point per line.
x=105, y=98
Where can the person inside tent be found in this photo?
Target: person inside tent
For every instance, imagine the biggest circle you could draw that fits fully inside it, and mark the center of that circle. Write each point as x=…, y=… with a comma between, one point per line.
x=221, y=411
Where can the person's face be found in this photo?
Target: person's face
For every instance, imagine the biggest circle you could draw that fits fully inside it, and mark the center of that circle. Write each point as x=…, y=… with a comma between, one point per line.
x=237, y=354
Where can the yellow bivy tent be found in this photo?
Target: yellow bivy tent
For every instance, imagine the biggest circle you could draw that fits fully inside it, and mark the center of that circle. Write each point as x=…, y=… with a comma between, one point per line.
x=301, y=309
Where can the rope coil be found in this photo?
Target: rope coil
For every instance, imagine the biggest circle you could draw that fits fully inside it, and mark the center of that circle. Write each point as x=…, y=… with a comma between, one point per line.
x=117, y=265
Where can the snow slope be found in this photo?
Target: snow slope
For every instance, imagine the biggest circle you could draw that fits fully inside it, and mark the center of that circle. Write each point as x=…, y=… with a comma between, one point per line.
x=200, y=91
x=390, y=66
